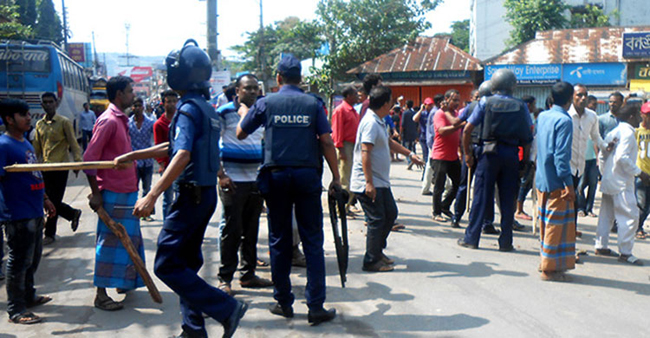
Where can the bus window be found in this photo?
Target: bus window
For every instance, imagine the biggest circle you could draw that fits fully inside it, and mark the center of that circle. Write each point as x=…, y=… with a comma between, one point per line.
x=25, y=60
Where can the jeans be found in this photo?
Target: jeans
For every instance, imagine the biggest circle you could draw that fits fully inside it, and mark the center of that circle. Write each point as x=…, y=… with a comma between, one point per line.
x=25, y=244
x=55, y=185
x=643, y=201
x=241, y=208
x=145, y=174
x=442, y=170
x=410, y=145
x=86, y=135
x=526, y=183
x=381, y=215
x=588, y=180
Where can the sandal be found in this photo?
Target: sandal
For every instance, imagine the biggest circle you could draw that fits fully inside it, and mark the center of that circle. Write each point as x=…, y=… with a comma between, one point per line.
x=641, y=235
x=630, y=259
x=606, y=252
x=439, y=218
x=555, y=277
x=398, y=227
x=25, y=318
x=523, y=216
x=39, y=300
x=107, y=304
x=262, y=263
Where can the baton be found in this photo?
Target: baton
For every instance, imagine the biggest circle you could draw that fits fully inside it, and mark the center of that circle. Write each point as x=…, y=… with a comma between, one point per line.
x=63, y=166
x=339, y=199
x=469, y=188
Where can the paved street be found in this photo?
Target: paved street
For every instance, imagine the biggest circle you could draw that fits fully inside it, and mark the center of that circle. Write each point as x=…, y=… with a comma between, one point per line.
x=437, y=289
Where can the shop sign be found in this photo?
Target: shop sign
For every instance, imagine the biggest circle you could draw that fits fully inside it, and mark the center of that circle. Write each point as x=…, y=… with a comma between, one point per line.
x=642, y=72
x=595, y=73
x=636, y=45
x=529, y=74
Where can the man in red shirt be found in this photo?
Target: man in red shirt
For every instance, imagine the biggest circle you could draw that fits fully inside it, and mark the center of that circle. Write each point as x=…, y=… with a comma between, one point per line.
x=345, y=122
x=161, y=135
x=444, y=155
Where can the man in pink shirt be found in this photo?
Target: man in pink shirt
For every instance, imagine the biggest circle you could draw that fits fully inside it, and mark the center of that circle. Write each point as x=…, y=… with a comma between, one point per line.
x=444, y=156
x=115, y=191
x=345, y=122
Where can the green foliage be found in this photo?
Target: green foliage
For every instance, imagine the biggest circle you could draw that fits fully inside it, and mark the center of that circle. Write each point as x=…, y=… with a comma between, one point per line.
x=588, y=16
x=460, y=34
x=530, y=16
x=13, y=29
x=48, y=26
x=301, y=38
x=27, y=12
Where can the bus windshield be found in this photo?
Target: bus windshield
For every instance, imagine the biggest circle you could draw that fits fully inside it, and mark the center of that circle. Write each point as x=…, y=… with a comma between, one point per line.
x=16, y=59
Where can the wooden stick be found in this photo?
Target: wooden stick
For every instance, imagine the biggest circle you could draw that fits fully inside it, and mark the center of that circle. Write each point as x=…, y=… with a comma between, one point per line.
x=16, y=168
x=469, y=189
x=120, y=232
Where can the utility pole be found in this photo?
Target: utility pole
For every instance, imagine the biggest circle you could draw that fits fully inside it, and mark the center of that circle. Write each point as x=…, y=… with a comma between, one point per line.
x=127, y=56
x=213, y=51
x=261, y=55
x=65, y=26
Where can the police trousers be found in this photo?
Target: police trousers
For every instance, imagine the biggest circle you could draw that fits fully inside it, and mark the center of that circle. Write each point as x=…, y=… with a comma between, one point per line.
x=179, y=258
x=283, y=189
x=501, y=168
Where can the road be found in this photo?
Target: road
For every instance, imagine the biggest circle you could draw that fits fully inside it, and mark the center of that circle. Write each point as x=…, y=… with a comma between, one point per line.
x=438, y=289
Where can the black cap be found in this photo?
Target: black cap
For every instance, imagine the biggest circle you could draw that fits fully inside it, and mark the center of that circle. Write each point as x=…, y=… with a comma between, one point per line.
x=289, y=66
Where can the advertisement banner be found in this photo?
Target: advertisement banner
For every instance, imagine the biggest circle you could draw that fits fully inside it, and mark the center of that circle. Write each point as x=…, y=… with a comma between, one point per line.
x=529, y=74
x=595, y=73
x=77, y=51
x=636, y=45
x=138, y=74
x=220, y=79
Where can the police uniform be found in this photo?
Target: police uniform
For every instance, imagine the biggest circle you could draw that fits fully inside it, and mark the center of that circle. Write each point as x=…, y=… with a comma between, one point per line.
x=504, y=125
x=290, y=176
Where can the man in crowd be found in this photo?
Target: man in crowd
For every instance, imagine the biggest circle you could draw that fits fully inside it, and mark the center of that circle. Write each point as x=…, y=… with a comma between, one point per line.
x=296, y=134
x=506, y=126
x=409, y=130
x=345, y=122
x=607, y=122
x=444, y=156
x=526, y=182
x=161, y=135
x=370, y=178
x=554, y=184
x=422, y=117
x=53, y=139
x=87, y=120
x=369, y=82
x=241, y=199
x=589, y=179
x=619, y=202
x=643, y=162
x=24, y=200
x=141, y=133
x=114, y=190
x=585, y=126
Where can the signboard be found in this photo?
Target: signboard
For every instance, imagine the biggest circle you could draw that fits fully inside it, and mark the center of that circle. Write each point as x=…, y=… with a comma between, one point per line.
x=138, y=74
x=595, y=73
x=642, y=72
x=220, y=79
x=424, y=75
x=636, y=45
x=529, y=74
x=77, y=52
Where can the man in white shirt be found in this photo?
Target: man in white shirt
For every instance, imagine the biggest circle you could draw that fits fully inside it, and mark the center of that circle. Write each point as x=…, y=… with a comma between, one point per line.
x=87, y=120
x=619, y=170
x=585, y=125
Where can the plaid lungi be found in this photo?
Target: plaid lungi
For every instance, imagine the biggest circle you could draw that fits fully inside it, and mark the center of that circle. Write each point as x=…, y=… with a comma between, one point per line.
x=557, y=232
x=113, y=266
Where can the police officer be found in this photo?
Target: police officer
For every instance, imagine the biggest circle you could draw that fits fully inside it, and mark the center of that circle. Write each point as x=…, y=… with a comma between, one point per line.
x=505, y=125
x=296, y=134
x=194, y=152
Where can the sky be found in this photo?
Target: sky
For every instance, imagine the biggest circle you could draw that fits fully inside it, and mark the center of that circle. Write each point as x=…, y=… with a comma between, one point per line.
x=157, y=27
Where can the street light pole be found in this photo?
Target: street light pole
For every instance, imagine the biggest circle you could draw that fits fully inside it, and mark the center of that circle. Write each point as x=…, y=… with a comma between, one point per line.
x=213, y=51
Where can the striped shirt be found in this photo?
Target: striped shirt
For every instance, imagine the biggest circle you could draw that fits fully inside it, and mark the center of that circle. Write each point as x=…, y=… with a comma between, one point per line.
x=241, y=158
x=142, y=138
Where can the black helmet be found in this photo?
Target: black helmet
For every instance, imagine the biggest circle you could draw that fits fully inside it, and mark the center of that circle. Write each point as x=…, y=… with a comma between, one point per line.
x=485, y=89
x=189, y=69
x=503, y=80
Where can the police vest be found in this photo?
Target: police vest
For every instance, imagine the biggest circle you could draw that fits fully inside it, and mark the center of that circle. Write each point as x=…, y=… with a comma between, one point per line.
x=204, y=162
x=505, y=121
x=290, y=138
x=476, y=132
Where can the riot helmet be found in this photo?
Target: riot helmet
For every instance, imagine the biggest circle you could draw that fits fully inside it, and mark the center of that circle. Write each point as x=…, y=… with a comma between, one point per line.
x=485, y=89
x=189, y=69
x=504, y=81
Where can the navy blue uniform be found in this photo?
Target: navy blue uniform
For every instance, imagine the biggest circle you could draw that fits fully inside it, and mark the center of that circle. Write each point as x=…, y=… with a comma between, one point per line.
x=506, y=122
x=290, y=177
x=195, y=128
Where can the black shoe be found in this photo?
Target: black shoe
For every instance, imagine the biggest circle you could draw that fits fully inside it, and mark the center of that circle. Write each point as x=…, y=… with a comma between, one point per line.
x=286, y=312
x=186, y=334
x=516, y=226
x=74, y=224
x=455, y=223
x=319, y=316
x=507, y=249
x=491, y=230
x=461, y=242
x=230, y=325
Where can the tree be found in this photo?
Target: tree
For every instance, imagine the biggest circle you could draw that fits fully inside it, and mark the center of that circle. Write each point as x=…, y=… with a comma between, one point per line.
x=11, y=28
x=460, y=34
x=589, y=16
x=27, y=12
x=530, y=16
x=48, y=26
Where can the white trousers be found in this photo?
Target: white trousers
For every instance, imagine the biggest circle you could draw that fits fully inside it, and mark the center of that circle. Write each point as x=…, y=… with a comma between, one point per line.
x=428, y=177
x=622, y=208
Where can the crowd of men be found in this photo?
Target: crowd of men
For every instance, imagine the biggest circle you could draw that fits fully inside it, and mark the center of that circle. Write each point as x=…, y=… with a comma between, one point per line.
x=254, y=150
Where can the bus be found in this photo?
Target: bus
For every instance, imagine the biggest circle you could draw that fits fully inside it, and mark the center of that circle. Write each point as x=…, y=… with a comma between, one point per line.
x=98, y=96
x=30, y=68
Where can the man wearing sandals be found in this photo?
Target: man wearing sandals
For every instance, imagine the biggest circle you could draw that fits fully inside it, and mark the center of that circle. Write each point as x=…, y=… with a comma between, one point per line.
x=619, y=203
x=24, y=202
x=643, y=162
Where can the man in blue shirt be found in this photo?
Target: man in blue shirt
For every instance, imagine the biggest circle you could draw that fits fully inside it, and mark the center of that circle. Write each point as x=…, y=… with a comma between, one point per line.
x=141, y=133
x=24, y=200
x=555, y=186
x=296, y=137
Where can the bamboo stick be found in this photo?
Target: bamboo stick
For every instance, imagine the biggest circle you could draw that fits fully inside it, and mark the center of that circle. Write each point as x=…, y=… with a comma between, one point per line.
x=16, y=168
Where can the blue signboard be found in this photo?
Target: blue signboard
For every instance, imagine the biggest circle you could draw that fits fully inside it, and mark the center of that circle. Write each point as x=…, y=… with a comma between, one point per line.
x=636, y=45
x=595, y=73
x=529, y=74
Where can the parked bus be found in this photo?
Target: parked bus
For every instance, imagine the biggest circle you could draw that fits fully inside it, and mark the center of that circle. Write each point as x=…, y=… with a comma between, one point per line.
x=30, y=68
